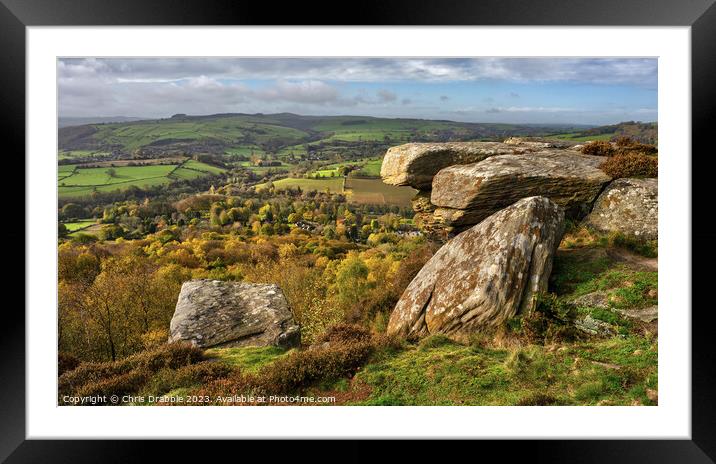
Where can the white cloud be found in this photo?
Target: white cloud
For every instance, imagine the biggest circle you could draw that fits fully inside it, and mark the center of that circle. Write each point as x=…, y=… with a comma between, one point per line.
x=159, y=87
x=309, y=91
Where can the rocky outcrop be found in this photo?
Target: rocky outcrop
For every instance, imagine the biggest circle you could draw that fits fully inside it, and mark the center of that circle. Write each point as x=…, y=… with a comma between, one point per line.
x=466, y=194
x=628, y=206
x=484, y=275
x=214, y=313
x=415, y=164
x=540, y=142
x=425, y=220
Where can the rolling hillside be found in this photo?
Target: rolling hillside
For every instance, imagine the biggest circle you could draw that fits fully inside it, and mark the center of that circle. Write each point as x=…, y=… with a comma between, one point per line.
x=283, y=134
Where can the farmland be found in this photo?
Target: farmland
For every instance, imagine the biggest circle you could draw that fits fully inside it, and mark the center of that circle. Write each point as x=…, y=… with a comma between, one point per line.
x=282, y=135
x=78, y=181
x=79, y=225
x=334, y=185
x=360, y=191
x=374, y=191
x=642, y=132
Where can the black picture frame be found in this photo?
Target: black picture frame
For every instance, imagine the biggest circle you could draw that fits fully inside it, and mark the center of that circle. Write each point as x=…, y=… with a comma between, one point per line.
x=700, y=15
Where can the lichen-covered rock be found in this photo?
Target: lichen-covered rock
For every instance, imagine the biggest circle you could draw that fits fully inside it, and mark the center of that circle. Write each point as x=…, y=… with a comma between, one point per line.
x=429, y=225
x=466, y=194
x=648, y=314
x=214, y=313
x=629, y=206
x=593, y=326
x=540, y=142
x=484, y=275
x=416, y=164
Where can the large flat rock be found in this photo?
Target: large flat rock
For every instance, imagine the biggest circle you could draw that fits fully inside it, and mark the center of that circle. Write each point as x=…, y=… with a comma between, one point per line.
x=466, y=194
x=214, y=313
x=484, y=275
x=541, y=142
x=416, y=164
x=628, y=206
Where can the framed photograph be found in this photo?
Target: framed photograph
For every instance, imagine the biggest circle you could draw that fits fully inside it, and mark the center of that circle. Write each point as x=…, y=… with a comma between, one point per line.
x=413, y=222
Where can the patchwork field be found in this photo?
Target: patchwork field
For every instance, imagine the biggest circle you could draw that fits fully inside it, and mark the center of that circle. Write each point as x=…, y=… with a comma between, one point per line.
x=77, y=181
x=228, y=129
x=334, y=185
x=374, y=191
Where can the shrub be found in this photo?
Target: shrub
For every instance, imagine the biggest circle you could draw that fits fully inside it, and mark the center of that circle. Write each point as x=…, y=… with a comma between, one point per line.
x=525, y=362
x=552, y=319
x=598, y=148
x=625, y=144
x=113, y=375
x=66, y=362
x=631, y=164
x=434, y=341
x=301, y=369
x=345, y=333
x=590, y=391
x=647, y=248
x=120, y=385
x=622, y=146
x=538, y=399
x=340, y=352
x=82, y=237
x=167, y=379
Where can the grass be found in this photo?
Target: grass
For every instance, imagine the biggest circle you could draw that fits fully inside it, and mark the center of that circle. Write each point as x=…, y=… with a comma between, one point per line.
x=578, y=272
x=447, y=373
x=249, y=359
x=79, y=225
x=578, y=137
x=101, y=176
x=371, y=168
x=74, y=154
x=131, y=136
x=76, y=181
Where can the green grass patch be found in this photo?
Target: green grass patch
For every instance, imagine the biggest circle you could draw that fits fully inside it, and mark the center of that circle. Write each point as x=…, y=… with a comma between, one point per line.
x=79, y=225
x=579, y=137
x=83, y=181
x=438, y=372
x=250, y=358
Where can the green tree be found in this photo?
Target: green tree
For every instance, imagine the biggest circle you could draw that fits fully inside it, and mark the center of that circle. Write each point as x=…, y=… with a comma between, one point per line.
x=351, y=279
x=72, y=211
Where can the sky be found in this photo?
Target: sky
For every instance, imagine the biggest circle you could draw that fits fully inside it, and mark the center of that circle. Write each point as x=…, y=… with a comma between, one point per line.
x=511, y=90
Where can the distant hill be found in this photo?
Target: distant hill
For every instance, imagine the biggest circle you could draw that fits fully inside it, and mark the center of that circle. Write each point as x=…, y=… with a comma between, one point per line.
x=65, y=122
x=645, y=132
x=277, y=133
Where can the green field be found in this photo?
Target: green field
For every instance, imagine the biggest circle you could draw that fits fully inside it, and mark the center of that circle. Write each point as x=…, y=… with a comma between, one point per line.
x=371, y=168
x=75, y=181
x=133, y=135
x=79, y=225
x=583, y=138
x=281, y=134
x=367, y=168
x=374, y=191
x=71, y=154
